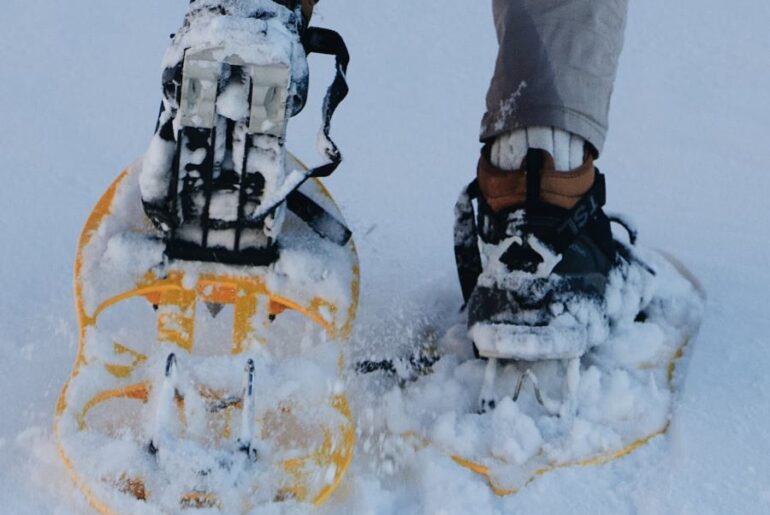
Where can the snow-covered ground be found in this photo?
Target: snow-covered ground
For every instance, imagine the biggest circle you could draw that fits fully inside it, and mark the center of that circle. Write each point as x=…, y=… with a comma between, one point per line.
x=686, y=157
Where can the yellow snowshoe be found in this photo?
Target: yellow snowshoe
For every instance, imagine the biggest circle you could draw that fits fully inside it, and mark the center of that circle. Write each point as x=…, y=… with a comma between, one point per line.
x=214, y=282
x=146, y=329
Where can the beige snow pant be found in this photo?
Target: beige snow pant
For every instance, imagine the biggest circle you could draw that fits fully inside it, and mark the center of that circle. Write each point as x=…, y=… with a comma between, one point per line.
x=556, y=66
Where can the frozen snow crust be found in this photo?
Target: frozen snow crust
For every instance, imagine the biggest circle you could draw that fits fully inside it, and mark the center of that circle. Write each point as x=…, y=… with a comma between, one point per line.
x=623, y=395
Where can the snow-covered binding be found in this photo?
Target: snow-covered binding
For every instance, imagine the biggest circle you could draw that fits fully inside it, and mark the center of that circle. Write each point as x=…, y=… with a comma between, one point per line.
x=214, y=179
x=207, y=375
x=589, y=381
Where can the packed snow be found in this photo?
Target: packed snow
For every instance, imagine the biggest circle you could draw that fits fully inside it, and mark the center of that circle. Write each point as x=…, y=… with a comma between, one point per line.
x=80, y=101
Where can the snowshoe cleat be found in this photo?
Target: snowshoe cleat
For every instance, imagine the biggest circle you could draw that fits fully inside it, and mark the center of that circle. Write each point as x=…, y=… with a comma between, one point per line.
x=209, y=360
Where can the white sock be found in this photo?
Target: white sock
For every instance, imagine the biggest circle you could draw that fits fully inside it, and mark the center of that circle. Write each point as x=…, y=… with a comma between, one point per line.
x=509, y=150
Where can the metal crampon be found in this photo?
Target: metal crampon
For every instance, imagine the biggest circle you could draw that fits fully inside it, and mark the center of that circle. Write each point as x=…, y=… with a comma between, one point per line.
x=526, y=375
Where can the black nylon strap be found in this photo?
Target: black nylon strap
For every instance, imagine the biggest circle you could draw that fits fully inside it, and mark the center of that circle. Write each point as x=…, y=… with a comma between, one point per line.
x=533, y=164
x=467, y=255
x=580, y=215
x=320, y=220
x=328, y=42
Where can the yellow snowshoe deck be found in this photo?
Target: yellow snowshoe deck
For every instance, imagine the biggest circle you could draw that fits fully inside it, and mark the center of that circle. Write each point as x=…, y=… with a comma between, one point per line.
x=137, y=312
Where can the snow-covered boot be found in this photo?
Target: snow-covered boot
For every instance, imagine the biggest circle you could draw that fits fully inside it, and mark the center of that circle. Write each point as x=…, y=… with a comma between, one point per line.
x=548, y=250
x=216, y=179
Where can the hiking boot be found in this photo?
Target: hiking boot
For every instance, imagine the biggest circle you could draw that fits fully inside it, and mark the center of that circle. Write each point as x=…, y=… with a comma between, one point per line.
x=548, y=251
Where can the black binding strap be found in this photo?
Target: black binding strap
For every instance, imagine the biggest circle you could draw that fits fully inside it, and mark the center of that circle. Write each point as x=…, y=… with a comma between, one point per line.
x=327, y=42
x=318, y=219
x=467, y=255
x=580, y=215
x=533, y=163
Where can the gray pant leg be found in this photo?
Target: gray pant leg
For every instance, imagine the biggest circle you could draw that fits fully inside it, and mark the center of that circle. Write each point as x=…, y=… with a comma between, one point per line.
x=556, y=66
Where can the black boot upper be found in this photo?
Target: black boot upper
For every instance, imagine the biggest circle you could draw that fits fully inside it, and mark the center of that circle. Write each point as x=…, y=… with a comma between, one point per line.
x=581, y=237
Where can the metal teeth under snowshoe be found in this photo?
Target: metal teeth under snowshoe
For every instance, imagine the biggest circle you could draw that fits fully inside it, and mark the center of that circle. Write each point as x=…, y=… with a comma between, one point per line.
x=246, y=440
x=488, y=400
x=214, y=308
x=168, y=395
x=551, y=406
